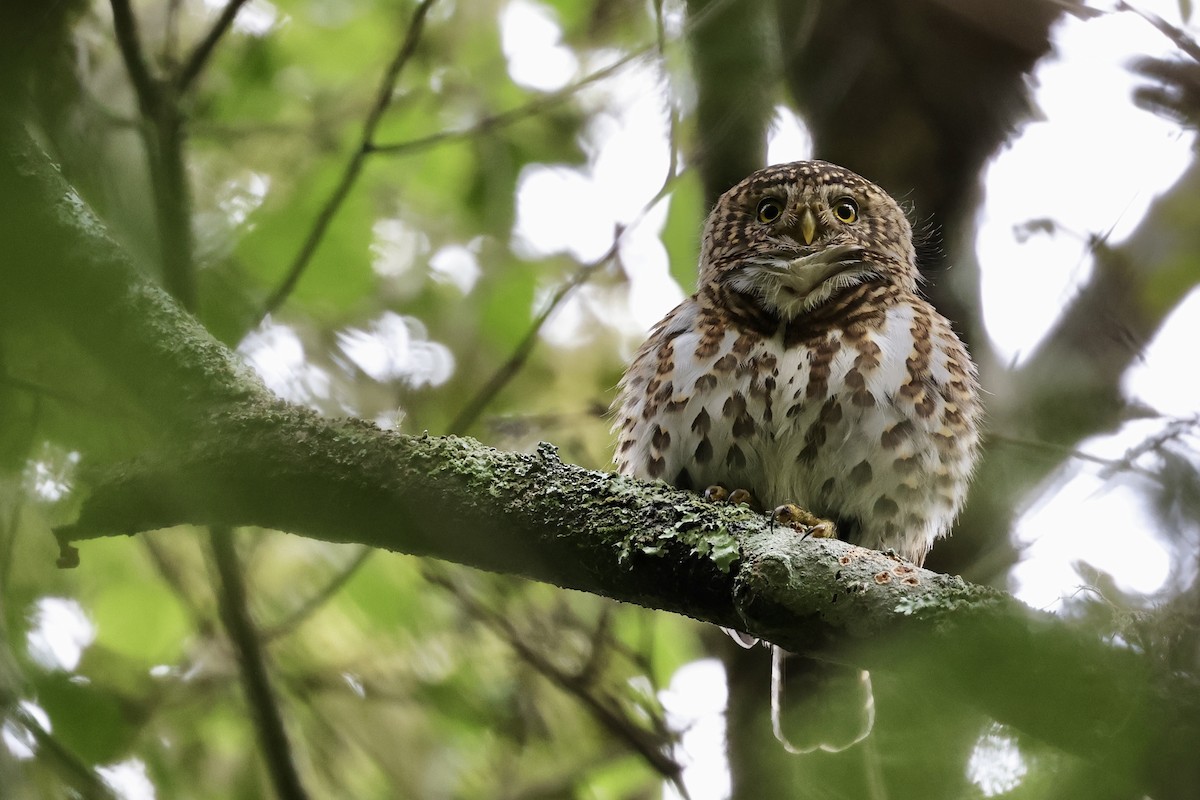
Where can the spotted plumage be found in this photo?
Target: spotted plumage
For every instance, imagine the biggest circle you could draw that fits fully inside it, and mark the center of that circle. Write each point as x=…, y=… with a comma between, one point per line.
x=807, y=368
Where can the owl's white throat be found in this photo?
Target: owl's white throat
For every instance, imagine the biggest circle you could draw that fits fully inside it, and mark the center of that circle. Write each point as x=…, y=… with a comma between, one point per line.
x=790, y=287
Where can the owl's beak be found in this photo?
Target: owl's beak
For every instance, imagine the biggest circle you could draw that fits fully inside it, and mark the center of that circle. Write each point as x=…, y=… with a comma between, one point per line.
x=808, y=225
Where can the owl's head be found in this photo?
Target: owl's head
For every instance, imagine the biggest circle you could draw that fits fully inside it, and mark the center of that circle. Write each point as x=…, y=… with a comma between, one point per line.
x=795, y=235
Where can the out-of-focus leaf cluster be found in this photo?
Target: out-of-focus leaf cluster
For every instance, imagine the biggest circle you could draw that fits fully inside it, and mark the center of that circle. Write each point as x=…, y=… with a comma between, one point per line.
x=391, y=685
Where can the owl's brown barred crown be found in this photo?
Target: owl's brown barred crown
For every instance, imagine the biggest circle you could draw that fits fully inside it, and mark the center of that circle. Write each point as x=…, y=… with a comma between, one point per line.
x=793, y=236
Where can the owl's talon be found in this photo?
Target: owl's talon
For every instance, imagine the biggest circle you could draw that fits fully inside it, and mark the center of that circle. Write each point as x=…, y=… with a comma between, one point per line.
x=719, y=494
x=803, y=521
x=741, y=497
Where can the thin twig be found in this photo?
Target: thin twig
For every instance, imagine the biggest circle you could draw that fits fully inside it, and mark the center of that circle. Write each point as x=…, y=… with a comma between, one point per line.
x=163, y=134
x=145, y=86
x=314, y=603
x=69, y=766
x=252, y=663
x=383, y=98
x=500, y=378
x=171, y=31
x=193, y=65
x=1173, y=430
x=1177, y=36
x=1050, y=447
x=660, y=37
x=601, y=707
x=506, y=118
x=470, y=413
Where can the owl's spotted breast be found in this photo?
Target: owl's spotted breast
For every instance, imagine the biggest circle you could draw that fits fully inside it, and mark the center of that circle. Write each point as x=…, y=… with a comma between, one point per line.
x=807, y=369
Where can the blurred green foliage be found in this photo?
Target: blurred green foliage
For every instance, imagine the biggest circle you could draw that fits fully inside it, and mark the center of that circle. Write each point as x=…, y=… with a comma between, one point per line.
x=390, y=684
x=396, y=678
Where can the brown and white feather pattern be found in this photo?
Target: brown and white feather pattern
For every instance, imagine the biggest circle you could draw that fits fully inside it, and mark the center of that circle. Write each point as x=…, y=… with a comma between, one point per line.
x=860, y=407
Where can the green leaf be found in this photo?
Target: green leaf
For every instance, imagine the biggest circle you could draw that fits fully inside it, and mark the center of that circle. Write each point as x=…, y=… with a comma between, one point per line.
x=683, y=229
x=86, y=718
x=142, y=621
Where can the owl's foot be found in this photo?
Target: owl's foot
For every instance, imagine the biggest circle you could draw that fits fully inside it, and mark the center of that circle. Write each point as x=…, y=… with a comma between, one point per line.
x=802, y=521
x=719, y=494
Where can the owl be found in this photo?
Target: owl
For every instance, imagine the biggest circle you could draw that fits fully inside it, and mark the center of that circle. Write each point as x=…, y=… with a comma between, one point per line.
x=807, y=368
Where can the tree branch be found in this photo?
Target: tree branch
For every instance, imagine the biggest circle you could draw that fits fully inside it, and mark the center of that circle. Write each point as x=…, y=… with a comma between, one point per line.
x=249, y=458
x=531, y=515
x=652, y=747
x=512, y=116
x=235, y=615
x=736, y=65
x=145, y=87
x=516, y=360
x=194, y=64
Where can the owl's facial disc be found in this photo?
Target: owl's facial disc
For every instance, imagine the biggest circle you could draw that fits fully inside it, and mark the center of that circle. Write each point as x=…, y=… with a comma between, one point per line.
x=791, y=284
x=808, y=250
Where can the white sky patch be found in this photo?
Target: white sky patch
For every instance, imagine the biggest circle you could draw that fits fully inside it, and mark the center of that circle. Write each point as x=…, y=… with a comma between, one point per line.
x=276, y=353
x=674, y=18
x=996, y=765
x=695, y=704
x=788, y=139
x=239, y=196
x=532, y=43
x=394, y=347
x=397, y=247
x=556, y=214
x=256, y=18
x=1087, y=519
x=60, y=633
x=457, y=265
x=355, y=683
x=1155, y=379
x=50, y=477
x=17, y=738
x=579, y=210
x=1092, y=165
x=129, y=779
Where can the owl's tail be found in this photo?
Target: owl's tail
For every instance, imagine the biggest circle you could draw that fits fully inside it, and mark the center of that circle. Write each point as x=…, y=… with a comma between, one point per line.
x=844, y=695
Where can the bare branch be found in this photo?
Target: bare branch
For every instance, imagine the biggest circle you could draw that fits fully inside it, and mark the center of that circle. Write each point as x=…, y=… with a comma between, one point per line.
x=319, y=598
x=506, y=118
x=145, y=85
x=253, y=667
x=78, y=775
x=601, y=705
x=383, y=98
x=163, y=134
x=1178, y=37
x=505, y=373
x=520, y=354
x=195, y=62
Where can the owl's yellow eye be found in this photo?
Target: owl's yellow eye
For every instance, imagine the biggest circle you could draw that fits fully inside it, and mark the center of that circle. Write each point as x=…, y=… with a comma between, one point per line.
x=846, y=210
x=769, y=210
